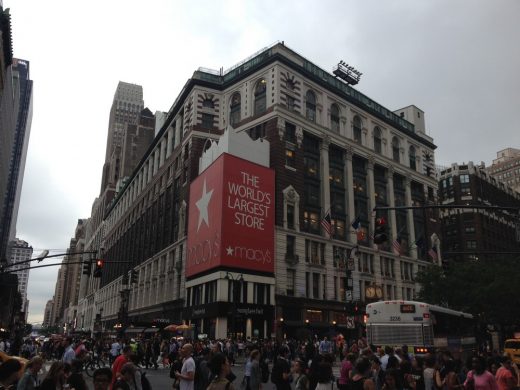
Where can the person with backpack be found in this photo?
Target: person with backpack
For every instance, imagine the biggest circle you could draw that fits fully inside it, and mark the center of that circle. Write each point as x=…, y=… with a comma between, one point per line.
x=281, y=370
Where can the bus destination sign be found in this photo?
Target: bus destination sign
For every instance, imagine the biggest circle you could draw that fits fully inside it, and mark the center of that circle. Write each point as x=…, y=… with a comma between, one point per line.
x=407, y=308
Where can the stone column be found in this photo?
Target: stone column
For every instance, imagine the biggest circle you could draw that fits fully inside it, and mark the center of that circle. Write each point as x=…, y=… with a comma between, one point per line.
x=169, y=146
x=391, y=203
x=409, y=217
x=324, y=169
x=349, y=182
x=371, y=196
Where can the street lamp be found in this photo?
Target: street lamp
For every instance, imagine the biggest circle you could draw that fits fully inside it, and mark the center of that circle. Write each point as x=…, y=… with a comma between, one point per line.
x=234, y=279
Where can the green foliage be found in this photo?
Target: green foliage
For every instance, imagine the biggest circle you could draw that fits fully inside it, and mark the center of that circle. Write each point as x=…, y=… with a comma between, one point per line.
x=490, y=290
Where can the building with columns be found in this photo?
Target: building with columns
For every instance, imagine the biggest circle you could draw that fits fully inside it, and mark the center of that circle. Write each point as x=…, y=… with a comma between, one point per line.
x=330, y=147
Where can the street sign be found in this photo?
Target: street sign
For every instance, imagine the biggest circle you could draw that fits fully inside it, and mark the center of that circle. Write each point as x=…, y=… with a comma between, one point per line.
x=348, y=295
x=350, y=323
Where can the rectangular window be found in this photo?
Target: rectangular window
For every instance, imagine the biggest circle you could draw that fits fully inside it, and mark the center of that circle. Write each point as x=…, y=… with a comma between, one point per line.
x=307, y=284
x=290, y=133
x=207, y=121
x=291, y=277
x=290, y=102
x=471, y=244
x=312, y=167
x=290, y=156
x=335, y=288
x=291, y=245
x=316, y=286
x=290, y=216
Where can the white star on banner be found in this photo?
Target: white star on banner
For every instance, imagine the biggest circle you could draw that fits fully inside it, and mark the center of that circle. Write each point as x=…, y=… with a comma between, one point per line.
x=202, y=205
x=229, y=251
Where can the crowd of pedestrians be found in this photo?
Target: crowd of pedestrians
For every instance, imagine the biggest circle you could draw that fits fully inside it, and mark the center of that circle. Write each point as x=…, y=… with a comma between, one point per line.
x=289, y=365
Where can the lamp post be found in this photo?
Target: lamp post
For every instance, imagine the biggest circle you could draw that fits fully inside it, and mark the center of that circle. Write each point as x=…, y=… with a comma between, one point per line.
x=239, y=278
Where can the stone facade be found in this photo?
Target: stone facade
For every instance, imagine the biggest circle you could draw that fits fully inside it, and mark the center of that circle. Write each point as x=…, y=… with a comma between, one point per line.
x=331, y=148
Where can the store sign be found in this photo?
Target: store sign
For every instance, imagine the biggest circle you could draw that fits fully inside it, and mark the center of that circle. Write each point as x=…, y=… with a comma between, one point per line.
x=231, y=217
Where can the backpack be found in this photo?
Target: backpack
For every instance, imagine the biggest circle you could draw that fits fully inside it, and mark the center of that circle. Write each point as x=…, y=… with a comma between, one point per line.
x=145, y=383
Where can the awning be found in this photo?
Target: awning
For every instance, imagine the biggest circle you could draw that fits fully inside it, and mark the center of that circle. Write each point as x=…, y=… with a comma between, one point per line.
x=141, y=330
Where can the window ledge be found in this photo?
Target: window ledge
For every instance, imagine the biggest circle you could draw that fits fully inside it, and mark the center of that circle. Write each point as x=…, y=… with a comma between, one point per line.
x=290, y=168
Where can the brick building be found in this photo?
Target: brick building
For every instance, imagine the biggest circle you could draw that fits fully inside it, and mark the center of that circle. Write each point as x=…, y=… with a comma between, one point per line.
x=471, y=230
x=330, y=146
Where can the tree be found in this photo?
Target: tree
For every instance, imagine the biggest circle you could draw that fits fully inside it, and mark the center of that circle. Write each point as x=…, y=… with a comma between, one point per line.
x=488, y=289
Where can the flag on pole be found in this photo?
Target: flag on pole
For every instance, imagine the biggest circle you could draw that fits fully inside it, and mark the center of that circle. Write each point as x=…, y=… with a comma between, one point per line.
x=396, y=244
x=326, y=222
x=356, y=224
x=433, y=253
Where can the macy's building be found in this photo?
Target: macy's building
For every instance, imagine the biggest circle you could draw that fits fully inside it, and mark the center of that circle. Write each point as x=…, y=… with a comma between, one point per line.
x=222, y=228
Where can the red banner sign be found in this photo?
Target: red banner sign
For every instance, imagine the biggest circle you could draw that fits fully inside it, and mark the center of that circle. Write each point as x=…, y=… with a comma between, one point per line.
x=231, y=217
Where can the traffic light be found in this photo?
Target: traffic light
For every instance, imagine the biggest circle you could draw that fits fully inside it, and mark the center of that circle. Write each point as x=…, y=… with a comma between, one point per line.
x=133, y=276
x=380, y=235
x=99, y=268
x=87, y=267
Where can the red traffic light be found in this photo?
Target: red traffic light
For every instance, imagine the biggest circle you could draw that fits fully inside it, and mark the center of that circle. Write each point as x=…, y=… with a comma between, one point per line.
x=100, y=263
x=381, y=221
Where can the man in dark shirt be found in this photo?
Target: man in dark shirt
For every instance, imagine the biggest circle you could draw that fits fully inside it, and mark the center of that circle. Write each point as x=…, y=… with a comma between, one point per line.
x=280, y=375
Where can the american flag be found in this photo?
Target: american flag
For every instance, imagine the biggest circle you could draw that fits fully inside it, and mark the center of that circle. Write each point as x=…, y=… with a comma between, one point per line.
x=397, y=246
x=327, y=223
x=433, y=253
x=356, y=224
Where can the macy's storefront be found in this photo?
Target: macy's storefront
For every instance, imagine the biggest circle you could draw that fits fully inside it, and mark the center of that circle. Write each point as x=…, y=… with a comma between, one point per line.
x=230, y=250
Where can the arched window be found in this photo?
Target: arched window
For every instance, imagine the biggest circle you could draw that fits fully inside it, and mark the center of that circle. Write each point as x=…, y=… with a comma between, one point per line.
x=395, y=150
x=412, y=157
x=260, y=97
x=334, y=118
x=234, y=109
x=357, y=129
x=378, y=148
x=208, y=103
x=310, y=106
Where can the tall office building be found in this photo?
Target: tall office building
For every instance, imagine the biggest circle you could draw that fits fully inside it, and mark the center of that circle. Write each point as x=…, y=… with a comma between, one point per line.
x=126, y=107
x=8, y=111
x=21, y=251
x=9, y=216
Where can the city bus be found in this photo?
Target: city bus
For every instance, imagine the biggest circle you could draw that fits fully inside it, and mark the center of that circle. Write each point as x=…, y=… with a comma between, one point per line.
x=424, y=328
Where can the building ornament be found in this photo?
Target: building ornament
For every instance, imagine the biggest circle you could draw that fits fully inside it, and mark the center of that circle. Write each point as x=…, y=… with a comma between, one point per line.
x=281, y=128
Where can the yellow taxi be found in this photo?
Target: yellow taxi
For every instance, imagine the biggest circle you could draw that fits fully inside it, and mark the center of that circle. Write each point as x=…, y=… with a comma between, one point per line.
x=512, y=349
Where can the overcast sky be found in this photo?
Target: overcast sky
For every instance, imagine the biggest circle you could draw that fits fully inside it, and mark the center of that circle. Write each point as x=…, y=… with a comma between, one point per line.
x=456, y=60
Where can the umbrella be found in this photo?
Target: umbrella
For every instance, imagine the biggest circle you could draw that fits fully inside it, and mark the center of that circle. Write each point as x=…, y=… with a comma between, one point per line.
x=171, y=328
x=183, y=327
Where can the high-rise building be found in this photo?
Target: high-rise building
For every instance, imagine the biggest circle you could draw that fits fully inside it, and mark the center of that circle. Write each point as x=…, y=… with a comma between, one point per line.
x=21, y=252
x=126, y=107
x=9, y=216
x=470, y=234
x=130, y=133
x=506, y=168
x=8, y=116
x=336, y=155
x=69, y=275
x=47, y=315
